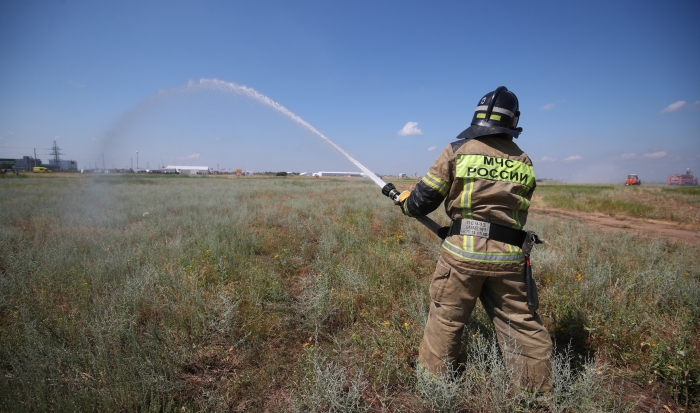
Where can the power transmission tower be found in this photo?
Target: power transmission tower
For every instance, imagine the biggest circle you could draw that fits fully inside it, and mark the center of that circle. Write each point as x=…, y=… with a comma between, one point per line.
x=56, y=153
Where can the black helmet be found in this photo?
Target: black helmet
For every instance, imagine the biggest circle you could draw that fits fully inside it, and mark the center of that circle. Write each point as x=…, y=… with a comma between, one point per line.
x=497, y=112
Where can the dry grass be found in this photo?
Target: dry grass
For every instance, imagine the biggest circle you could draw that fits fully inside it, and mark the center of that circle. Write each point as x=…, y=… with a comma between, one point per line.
x=678, y=204
x=304, y=295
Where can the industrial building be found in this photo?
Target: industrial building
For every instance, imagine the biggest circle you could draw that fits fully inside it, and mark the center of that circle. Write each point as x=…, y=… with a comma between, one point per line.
x=27, y=163
x=63, y=165
x=342, y=174
x=187, y=170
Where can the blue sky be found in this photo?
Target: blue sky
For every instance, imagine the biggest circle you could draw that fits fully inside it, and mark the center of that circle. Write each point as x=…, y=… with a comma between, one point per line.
x=606, y=88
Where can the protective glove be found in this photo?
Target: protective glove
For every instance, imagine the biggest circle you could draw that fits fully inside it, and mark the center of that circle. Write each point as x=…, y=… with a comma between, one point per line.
x=443, y=232
x=400, y=202
x=391, y=191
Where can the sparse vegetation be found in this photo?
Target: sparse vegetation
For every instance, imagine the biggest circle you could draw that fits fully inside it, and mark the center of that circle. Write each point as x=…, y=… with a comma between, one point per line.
x=140, y=293
x=679, y=204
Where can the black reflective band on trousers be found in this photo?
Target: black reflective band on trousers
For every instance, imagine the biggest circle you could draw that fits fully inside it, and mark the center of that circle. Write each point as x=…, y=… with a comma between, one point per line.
x=497, y=232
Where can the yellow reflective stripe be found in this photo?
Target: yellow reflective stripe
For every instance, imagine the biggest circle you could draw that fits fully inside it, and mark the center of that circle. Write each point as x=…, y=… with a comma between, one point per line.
x=500, y=257
x=523, y=206
x=466, y=200
x=462, y=206
x=492, y=117
x=495, y=169
x=470, y=215
x=404, y=207
x=436, y=183
x=516, y=212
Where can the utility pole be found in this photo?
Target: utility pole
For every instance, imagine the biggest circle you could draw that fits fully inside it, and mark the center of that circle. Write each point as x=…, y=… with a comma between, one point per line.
x=137, y=160
x=103, y=160
x=132, y=163
x=34, y=156
x=56, y=152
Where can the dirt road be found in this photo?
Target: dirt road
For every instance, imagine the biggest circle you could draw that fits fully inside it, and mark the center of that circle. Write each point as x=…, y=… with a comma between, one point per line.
x=644, y=227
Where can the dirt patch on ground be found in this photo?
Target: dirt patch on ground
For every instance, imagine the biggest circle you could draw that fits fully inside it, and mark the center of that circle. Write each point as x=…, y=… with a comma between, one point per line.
x=643, y=227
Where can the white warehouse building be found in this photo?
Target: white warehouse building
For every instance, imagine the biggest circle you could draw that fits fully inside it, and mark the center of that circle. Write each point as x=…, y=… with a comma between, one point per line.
x=187, y=170
x=343, y=174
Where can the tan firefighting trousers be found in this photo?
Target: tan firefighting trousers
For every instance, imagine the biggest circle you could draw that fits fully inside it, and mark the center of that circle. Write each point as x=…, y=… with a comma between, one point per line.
x=524, y=341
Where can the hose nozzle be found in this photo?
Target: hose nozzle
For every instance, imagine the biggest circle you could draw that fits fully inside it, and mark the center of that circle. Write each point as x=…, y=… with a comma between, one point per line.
x=391, y=191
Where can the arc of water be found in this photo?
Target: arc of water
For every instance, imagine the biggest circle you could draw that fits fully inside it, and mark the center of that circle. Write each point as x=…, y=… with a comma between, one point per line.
x=216, y=84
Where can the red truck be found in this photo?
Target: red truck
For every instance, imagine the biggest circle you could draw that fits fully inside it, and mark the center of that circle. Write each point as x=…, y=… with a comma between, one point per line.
x=683, y=179
x=633, y=179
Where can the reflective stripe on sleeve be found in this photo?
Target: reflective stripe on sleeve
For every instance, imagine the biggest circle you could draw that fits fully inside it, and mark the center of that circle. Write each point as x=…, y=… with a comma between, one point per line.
x=436, y=183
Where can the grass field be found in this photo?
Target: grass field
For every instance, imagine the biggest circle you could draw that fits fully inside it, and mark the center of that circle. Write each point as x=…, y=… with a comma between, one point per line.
x=678, y=204
x=172, y=293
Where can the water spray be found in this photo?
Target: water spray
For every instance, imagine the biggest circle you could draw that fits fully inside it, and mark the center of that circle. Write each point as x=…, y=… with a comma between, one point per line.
x=387, y=189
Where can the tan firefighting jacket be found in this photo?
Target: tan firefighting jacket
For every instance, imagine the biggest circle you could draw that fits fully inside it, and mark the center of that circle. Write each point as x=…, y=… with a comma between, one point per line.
x=488, y=178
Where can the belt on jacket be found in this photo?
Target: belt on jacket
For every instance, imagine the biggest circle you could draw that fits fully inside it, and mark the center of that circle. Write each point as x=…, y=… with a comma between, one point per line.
x=488, y=230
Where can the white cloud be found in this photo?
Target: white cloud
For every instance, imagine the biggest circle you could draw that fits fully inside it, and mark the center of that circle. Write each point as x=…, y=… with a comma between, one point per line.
x=547, y=159
x=660, y=154
x=696, y=105
x=573, y=158
x=629, y=155
x=411, y=128
x=548, y=106
x=674, y=106
x=432, y=148
x=193, y=156
x=76, y=84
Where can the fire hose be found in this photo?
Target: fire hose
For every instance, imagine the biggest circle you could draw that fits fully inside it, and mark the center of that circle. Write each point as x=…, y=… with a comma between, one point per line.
x=390, y=191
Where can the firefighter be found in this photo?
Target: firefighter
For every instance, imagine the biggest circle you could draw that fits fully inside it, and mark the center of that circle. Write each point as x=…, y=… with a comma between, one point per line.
x=486, y=182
